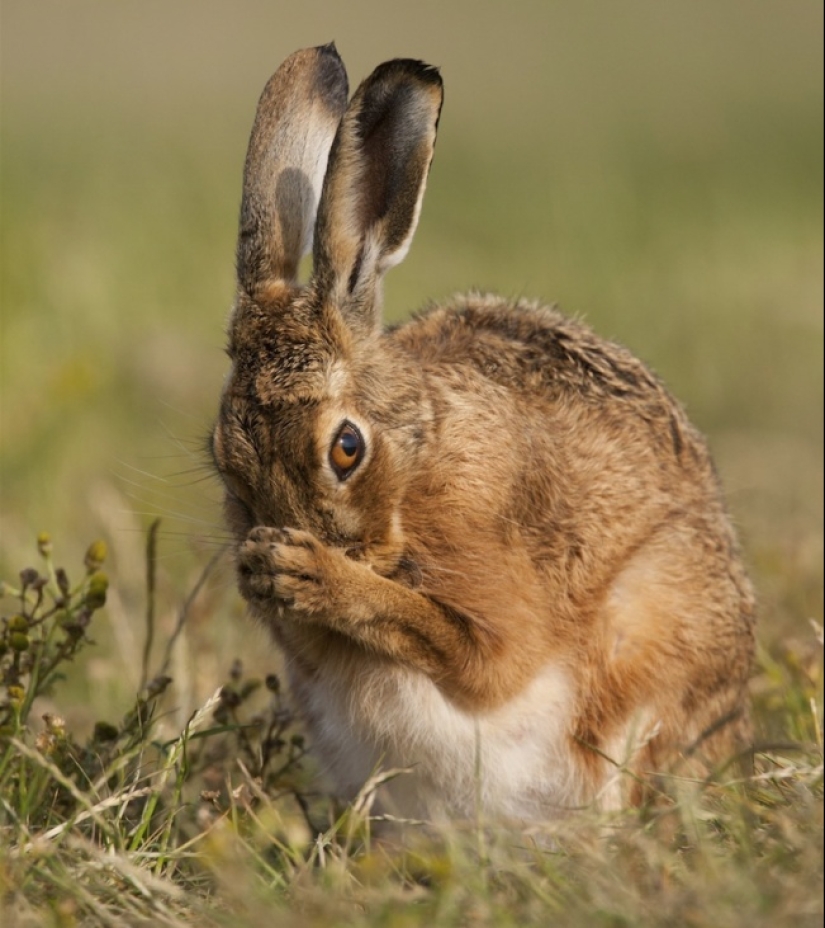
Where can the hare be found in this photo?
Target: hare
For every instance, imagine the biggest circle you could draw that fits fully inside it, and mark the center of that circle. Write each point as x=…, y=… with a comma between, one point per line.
x=489, y=543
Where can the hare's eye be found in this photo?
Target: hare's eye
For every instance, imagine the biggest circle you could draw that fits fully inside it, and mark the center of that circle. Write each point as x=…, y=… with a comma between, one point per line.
x=346, y=451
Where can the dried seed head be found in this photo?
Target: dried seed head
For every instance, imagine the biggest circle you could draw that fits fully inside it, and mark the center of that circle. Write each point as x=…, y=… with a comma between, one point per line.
x=230, y=698
x=55, y=724
x=45, y=742
x=28, y=576
x=62, y=581
x=74, y=625
x=103, y=732
x=156, y=686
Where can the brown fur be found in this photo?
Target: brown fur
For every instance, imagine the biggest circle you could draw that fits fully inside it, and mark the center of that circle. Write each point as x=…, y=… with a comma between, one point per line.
x=530, y=496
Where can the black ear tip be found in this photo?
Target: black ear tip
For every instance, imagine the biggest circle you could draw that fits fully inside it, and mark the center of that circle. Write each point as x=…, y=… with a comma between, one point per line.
x=410, y=69
x=329, y=49
x=332, y=75
x=428, y=73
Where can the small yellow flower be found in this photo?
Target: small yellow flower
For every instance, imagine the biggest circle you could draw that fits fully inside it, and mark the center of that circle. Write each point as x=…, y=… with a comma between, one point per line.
x=95, y=556
x=16, y=695
x=44, y=544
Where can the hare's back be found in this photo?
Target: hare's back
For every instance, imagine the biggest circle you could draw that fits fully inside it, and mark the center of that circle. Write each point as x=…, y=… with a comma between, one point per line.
x=520, y=343
x=545, y=356
x=554, y=379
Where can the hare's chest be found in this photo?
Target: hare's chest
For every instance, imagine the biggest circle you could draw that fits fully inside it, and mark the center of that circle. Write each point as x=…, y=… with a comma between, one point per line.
x=514, y=761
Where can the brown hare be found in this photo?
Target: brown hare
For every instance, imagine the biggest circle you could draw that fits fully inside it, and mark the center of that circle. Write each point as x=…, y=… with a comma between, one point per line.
x=490, y=544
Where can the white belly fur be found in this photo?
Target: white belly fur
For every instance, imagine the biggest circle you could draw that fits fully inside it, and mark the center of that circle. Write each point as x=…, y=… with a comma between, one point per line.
x=514, y=762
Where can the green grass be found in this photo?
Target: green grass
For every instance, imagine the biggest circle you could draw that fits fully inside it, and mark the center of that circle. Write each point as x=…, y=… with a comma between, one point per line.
x=655, y=169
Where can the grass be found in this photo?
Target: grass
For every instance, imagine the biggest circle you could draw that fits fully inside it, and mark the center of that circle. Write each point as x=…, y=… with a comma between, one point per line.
x=656, y=170
x=223, y=824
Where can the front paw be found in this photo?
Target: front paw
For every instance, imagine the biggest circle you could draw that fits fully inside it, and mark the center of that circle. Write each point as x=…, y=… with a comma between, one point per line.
x=289, y=568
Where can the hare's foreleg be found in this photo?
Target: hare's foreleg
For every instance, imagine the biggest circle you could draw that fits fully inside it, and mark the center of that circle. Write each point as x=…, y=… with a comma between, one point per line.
x=293, y=573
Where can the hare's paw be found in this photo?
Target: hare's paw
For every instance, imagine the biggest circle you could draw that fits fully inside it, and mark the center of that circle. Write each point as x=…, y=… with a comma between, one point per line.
x=290, y=567
x=256, y=572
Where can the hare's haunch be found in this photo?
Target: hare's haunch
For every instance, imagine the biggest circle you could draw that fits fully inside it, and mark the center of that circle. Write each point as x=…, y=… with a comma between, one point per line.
x=489, y=543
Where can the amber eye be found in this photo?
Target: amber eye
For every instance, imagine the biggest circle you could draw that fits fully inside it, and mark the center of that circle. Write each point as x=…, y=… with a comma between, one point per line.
x=346, y=451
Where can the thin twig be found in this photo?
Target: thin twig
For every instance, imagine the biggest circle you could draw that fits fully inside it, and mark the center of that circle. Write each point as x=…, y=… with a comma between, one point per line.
x=151, y=573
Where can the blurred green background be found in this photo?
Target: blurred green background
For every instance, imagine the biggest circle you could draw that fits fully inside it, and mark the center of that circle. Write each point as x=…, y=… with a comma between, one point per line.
x=655, y=168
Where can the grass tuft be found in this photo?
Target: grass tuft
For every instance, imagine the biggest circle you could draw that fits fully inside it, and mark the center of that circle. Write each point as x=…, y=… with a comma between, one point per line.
x=224, y=824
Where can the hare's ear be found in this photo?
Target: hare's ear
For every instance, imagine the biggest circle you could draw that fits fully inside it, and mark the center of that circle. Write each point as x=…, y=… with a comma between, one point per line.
x=374, y=185
x=295, y=123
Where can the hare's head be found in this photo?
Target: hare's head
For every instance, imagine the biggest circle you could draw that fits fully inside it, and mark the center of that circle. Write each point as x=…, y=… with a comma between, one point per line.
x=306, y=436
